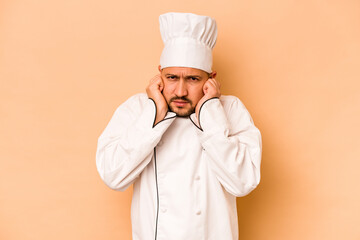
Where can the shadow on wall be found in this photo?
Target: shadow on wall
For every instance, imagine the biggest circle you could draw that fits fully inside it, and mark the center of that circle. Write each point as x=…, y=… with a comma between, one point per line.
x=268, y=198
x=276, y=186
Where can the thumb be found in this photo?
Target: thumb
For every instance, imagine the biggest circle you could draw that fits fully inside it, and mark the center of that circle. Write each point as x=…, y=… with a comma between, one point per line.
x=205, y=88
x=161, y=85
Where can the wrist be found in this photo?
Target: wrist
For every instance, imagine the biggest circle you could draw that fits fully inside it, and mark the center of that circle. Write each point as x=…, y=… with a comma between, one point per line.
x=160, y=115
x=202, y=102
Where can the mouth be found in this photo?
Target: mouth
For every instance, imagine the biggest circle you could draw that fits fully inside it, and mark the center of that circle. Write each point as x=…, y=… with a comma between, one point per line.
x=180, y=103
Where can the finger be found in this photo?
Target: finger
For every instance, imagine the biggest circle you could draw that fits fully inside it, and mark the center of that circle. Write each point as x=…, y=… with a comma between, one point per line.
x=205, y=87
x=155, y=78
x=212, y=84
x=215, y=83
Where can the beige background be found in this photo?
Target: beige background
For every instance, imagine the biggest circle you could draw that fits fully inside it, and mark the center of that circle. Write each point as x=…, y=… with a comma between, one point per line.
x=66, y=65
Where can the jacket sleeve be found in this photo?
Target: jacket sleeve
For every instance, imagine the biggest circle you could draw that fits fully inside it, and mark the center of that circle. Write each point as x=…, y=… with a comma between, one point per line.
x=126, y=145
x=232, y=144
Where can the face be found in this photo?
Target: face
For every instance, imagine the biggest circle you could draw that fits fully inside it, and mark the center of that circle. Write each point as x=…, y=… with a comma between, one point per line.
x=183, y=88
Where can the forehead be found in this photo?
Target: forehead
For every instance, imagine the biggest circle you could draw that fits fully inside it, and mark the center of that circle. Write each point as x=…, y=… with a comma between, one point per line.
x=184, y=71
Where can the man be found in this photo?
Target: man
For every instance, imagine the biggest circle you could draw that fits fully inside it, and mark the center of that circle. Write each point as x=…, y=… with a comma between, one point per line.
x=188, y=150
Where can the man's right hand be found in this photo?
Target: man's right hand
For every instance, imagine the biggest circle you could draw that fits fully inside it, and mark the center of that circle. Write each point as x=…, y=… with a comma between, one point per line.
x=154, y=91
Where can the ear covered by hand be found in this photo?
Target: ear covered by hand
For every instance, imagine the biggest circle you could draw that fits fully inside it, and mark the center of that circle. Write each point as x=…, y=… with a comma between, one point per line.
x=211, y=89
x=154, y=91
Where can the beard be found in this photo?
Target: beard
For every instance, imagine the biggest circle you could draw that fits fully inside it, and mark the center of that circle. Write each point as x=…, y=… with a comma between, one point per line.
x=182, y=111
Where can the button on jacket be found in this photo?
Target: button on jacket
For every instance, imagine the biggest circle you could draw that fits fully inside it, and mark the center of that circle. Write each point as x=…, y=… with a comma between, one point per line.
x=186, y=172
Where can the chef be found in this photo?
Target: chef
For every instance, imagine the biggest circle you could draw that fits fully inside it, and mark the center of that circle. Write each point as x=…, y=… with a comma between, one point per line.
x=188, y=150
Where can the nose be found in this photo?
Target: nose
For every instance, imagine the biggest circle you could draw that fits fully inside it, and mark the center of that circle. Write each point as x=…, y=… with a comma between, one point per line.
x=181, y=88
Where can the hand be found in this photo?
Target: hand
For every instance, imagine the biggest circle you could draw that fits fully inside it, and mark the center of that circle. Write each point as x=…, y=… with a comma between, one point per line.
x=211, y=89
x=154, y=91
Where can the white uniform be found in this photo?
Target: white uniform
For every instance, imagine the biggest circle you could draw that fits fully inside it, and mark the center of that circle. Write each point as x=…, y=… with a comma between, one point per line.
x=186, y=177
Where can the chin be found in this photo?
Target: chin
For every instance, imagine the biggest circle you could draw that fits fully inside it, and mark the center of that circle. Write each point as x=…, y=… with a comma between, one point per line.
x=180, y=112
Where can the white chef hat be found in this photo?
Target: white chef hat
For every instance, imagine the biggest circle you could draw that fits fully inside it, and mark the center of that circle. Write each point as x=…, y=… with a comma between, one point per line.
x=189, y=40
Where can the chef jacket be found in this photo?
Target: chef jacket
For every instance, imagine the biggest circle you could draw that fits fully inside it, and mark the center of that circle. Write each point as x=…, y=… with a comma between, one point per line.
x=187, y=172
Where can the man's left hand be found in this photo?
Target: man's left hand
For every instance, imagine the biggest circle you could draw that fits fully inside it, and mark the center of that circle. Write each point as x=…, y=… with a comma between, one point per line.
x=211, y=89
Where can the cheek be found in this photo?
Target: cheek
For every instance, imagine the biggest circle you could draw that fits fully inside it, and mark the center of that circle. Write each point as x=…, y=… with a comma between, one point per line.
x=167, y=91
x=197, y=93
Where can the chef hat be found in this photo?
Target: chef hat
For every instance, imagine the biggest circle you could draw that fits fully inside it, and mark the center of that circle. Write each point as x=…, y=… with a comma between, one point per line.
x=188, y=39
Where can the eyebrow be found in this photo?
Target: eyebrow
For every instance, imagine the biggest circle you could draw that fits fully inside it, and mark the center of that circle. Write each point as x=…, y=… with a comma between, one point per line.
x=193, y=76
x=187, y=76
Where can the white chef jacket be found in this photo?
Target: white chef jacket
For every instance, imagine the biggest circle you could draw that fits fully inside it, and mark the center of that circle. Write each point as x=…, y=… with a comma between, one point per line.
x=186, y=173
